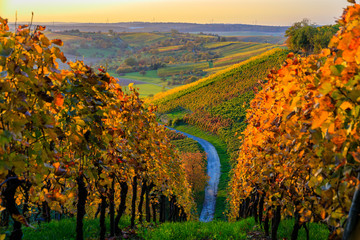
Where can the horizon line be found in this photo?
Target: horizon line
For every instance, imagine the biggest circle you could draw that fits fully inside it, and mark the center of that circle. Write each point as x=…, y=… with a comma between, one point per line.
x=219, y=23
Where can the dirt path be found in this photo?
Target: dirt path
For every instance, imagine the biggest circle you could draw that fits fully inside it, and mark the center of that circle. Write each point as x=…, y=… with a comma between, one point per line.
x=213, y=170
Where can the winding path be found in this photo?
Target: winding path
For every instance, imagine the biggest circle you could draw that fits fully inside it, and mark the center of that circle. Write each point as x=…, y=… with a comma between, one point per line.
x=213, y=170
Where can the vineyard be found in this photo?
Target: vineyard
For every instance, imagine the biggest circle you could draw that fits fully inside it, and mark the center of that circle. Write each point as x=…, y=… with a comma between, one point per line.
x=84, y=158
x=218, y=103
x=74, y=144
x=300, y=154
x=299, y=148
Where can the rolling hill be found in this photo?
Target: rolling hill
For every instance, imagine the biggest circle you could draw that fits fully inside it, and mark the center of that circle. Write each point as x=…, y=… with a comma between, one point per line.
x=218, y=103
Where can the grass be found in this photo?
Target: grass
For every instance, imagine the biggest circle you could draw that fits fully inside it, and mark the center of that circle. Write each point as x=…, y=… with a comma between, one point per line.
x=220, y=146
x=152, y=86
x=66, y=229
x=242, y=229
x=149, y=77
x=94, y=52
x=200, y=230
x=317, y=231
x=146, y=90
x=177, y=113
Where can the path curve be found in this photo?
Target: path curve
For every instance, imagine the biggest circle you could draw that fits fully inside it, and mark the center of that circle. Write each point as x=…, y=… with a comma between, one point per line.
x=213, y=170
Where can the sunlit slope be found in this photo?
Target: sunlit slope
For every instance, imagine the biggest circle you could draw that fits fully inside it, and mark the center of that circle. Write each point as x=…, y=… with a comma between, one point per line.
x=218, y=103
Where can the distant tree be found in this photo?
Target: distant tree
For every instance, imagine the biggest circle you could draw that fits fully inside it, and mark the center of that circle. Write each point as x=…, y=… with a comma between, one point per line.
x=323, y=36
x=174, y=32
x=131, y=61
x=306, y=37
x=300, y=35
x=142, y=72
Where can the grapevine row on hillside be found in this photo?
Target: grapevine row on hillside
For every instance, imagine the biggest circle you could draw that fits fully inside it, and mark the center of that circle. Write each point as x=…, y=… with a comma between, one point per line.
x=218, y=103
x=72, y=141
x=300, y=153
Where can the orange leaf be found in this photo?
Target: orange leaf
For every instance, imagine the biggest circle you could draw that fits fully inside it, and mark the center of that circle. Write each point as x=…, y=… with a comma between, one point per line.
x=59, y=99
x=57, y=42
x=322, y=214
x=319, y=119
x=38, y=48
x=325, y=52
x=41, y=28
x=346, y=105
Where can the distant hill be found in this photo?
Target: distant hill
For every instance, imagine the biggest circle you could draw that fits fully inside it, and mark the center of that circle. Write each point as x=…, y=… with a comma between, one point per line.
x=166, y=27
x=218, y=103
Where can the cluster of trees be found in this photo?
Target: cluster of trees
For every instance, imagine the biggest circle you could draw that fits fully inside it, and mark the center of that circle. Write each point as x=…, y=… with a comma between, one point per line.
x=137, y=64
x=308, y=38
x=72, y=141
x=300, y=154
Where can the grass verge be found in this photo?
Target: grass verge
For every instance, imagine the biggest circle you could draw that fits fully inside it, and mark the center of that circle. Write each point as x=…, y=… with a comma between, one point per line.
x=66, y=229
x=200, y=230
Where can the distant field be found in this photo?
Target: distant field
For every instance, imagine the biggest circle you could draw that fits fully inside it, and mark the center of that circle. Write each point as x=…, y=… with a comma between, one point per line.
x=246, y=33
x=141, y=39
x=231, y=52
x=147, y=90
x=149, y=77
x=93, y=52
x=170, y=48
x=63, y=37
x=261, y=39
x=216, y=45
x=187, y=57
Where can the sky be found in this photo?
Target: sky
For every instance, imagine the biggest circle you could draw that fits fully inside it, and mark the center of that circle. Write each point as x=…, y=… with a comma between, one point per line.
x=262, y=12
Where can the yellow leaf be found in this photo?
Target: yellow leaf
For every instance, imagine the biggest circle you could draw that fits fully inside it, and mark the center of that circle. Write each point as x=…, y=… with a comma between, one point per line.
x=38, y=48
x=21, y=219
x=346, y=105
x=319, y=119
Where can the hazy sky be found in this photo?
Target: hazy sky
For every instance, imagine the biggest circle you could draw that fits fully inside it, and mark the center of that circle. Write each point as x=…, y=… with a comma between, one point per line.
x=267, y=12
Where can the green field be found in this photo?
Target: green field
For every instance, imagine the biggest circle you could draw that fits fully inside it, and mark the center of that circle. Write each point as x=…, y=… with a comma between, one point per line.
x=147, y=90
x=150, y=77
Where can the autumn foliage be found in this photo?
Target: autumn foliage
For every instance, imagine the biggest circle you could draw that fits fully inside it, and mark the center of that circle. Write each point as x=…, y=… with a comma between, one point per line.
x=195, y=169
x=74, y=142
x=300, y=152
